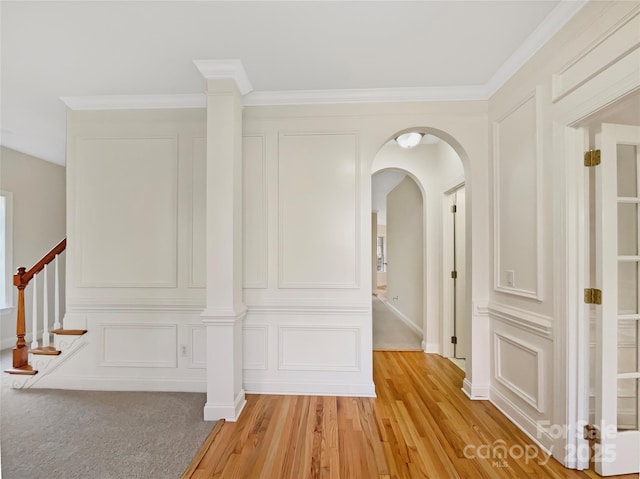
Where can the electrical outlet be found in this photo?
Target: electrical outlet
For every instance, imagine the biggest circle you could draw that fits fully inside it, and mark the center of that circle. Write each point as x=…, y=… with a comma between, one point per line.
x=183, y=350
x=511, y=278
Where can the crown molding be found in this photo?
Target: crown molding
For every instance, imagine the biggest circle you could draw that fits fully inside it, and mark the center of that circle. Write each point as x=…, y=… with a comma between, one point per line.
x=365, y=95
x=135, y=102
x=225, y=69
x=557, y=18
x=233, y=69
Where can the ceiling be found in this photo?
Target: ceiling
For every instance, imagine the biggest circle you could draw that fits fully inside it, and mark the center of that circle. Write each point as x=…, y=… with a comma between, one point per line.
x=57, y=49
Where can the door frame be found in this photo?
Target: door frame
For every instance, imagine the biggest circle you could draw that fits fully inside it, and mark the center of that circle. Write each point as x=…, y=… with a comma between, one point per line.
x=446, y=327
x=571, y=348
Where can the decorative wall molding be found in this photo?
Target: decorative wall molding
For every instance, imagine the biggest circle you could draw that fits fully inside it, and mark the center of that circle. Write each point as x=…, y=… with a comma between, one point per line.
x=480, y=308
x=534, y=399
x=329, y=306
x=298, y=335
x=263, y=233
x=256, y=346
x=284, y=282
x=536, y=294
x=81, y=183
x=605, y=50
x=526, y=320
x=89, y=305
x=231, y=68
x=123, y=345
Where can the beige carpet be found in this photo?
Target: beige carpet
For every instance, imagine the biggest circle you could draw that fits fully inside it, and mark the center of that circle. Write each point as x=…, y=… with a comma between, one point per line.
x=98, y=435
x=390, y=332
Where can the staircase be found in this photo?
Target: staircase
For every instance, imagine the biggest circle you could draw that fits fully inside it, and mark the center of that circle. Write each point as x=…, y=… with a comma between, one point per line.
x=41, y=354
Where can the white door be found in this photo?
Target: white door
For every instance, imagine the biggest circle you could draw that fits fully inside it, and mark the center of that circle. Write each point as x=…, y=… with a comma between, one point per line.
x=617, y=332
x=455, y=324
x=460, y=295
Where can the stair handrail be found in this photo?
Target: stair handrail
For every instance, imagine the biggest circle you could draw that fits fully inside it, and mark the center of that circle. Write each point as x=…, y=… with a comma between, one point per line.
x=22, y=277
x=21, y=280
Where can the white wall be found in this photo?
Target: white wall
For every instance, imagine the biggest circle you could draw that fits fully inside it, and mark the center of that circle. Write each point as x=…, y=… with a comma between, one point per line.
x=405, y=251
x=38, y=192
x=307, y=242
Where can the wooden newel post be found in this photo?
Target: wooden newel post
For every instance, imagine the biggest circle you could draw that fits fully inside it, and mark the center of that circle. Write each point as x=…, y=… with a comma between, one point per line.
x=20, y=352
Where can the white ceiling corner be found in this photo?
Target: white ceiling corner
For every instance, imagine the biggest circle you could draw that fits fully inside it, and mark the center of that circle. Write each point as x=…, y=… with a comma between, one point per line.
x=227, y=68
x=559, y=16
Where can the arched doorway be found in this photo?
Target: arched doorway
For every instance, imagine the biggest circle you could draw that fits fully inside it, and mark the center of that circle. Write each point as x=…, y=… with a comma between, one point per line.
x=439, y=172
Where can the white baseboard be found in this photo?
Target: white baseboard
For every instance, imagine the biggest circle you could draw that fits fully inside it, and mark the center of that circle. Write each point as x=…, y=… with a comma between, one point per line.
x=431, y=348
x=228, y=412
x=523, y=421
x=311, y=389
x=475, y=392
x=88, y=383
x=404, y=318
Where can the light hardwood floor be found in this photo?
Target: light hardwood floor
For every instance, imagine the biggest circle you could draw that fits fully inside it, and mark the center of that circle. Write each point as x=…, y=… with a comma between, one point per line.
x=420, y=425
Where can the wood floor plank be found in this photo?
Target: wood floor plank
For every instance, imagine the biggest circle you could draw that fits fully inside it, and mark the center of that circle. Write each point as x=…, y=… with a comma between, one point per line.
x=420, y=425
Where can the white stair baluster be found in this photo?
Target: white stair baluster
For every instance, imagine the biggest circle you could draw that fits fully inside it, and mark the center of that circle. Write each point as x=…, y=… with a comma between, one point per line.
x=56, y=296
x=34, y=314
x=45, y=310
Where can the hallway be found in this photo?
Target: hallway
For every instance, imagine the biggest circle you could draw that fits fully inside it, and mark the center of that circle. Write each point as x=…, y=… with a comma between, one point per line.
x=391, y=333
x=420, y=425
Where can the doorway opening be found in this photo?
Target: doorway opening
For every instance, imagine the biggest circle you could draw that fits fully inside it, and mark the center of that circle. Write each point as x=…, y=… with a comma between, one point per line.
x=427, y=175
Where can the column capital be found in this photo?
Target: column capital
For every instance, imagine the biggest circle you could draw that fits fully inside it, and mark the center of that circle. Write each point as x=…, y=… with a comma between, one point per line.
x=229, y=69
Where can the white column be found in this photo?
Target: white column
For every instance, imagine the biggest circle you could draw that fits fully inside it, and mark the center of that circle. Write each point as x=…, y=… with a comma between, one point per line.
x=56, y=296
x=225, y=311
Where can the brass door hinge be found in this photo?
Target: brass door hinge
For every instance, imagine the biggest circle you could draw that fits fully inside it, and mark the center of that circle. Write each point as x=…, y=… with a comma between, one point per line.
x=454, y=209
x=592, y=433
x=592, y=296
x=454, y=274
x=592, y=158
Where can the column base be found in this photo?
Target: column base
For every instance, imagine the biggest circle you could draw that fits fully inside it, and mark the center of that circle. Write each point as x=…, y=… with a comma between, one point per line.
x=228, y=412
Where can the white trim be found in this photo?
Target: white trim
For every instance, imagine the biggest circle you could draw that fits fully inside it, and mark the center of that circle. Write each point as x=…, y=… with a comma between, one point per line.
x=126, y=363
x=366, y=95
x=311, y=388
x=526, y=320
x=475, y=392
x=135, y=102
x=228, y=412
x=523, y=422
x=310, y=308
x=414, y=327
x=431, y=348
x=552, y=24
x=225, y=69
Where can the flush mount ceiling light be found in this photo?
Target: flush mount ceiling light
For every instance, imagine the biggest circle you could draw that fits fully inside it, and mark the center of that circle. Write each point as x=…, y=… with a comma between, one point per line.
x=409, y=140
